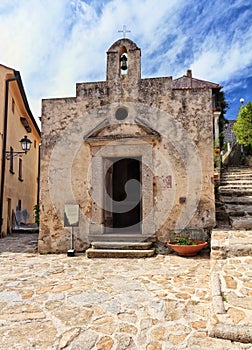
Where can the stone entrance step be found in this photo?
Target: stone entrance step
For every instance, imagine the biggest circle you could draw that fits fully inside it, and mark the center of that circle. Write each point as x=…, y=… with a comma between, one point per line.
x=241, y=222
x=238, y=209
x=121, y=245
x=234, y=199
x=120, y=237
x=224, y=191
x=119, y=253
x=245, y=200
x=120, y=250
x=25, y=230
x=232, y=177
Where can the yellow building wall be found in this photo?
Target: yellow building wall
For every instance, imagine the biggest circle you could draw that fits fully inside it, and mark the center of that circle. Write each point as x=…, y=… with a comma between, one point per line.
x=19, y=187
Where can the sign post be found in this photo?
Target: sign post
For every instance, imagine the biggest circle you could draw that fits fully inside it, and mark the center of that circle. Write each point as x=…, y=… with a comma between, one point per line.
x=71, y=219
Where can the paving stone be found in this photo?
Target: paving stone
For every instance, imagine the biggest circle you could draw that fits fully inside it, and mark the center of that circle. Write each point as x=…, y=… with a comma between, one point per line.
x=177, y=339
x=31, y=335
x=163, y=302
x=73, y=316
x=125, y=342
x=130, y=329
x=105, y=343
x=154, y=346
x=230, y=282
x=86, y=340
x=174, y=310
x=68, y=337
x=10, y=296
x=199, y=324
x=158, y=333
x=105, y=325
x=129, y=317
x=236, y=315
x=91, y=297
x=24, y=316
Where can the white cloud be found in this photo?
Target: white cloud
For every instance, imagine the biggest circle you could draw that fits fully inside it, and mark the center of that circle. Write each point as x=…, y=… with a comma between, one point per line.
x=55, y=44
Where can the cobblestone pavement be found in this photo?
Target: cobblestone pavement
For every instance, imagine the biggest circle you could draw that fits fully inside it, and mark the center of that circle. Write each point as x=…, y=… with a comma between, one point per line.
x=232, y=300
x=231, y=284
x=163, y=302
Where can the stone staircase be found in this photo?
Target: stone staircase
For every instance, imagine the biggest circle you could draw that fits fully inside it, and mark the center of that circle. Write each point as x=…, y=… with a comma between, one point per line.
x=234, y=199
x=25, y=228
x=120, y=250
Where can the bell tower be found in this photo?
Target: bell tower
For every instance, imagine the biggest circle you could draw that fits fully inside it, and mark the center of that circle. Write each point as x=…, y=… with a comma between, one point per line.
x=124, y=61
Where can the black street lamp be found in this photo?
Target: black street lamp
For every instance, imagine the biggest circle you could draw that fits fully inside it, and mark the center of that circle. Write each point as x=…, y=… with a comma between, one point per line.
x=26, y=146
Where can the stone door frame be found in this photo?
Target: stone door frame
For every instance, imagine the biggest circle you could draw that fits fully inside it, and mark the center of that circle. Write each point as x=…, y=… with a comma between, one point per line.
x=125, y=149
x=131, y=202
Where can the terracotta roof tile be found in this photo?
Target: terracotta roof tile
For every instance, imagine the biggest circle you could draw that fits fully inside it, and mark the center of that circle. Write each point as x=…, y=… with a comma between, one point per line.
x=188, y=82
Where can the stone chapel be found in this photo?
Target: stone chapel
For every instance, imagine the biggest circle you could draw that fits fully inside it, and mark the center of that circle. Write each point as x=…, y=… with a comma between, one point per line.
x=136, y=156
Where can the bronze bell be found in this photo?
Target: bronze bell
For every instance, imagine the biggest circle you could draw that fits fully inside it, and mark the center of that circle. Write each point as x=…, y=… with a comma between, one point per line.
x=124, y=60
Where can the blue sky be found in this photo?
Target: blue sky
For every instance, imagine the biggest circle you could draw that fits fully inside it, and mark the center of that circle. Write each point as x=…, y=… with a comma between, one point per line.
x=55, y=44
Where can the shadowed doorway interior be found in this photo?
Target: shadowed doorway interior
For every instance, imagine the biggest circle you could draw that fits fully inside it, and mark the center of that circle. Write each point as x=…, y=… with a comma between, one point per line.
x=122, y=199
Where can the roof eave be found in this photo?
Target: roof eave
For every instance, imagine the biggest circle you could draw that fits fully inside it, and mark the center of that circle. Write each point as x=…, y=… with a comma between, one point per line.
x=22, y=91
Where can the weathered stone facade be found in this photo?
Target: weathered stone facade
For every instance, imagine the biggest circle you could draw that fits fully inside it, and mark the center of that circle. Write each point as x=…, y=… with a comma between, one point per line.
x=153, y=135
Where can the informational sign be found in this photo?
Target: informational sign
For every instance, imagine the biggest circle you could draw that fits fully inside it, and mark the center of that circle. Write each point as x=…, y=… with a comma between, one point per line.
x=71, y=215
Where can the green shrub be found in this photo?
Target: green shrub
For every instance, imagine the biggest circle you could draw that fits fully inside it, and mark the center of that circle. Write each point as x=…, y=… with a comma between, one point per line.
x=36, y=214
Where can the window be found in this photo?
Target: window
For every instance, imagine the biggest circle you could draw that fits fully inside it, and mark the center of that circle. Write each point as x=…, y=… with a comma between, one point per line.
x=19, y=205
x=13, y=105
x=11, y=161
x=121, y=113
x=20, y=169
x=9, y=215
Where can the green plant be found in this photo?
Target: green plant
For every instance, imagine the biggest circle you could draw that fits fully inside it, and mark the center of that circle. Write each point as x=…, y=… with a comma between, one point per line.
x=223, y=297
x=223, y=107
x=224, y=147
x=36, y=213
x=184, y=241
x=216, y=161
x=243, y=125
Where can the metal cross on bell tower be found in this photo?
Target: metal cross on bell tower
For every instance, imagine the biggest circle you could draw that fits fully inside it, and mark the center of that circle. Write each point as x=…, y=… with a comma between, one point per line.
x=124, y=31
